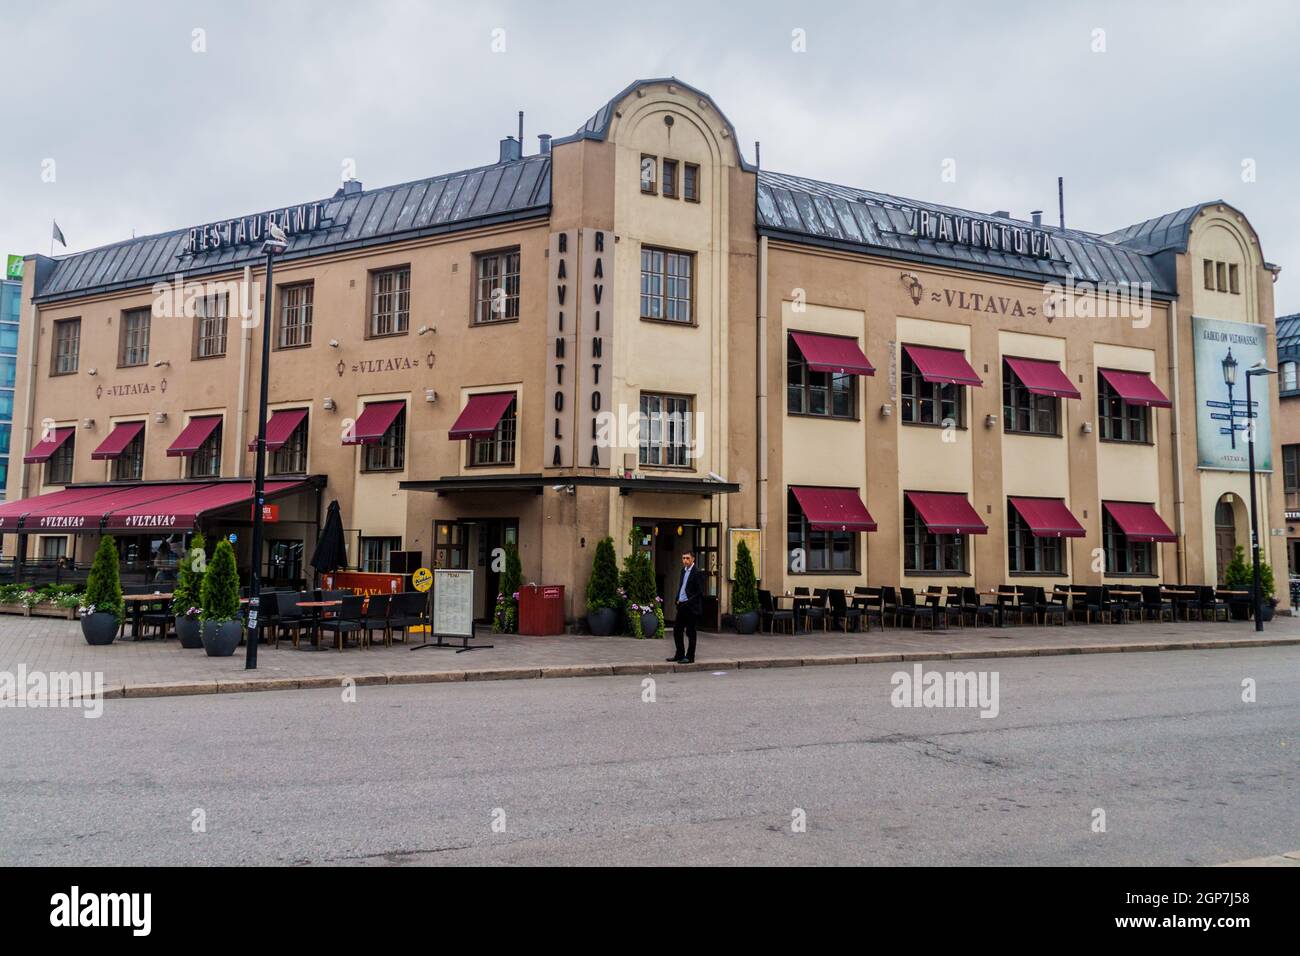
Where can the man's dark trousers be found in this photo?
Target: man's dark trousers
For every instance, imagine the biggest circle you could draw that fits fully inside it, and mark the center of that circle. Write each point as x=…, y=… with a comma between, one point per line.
x=685, y=622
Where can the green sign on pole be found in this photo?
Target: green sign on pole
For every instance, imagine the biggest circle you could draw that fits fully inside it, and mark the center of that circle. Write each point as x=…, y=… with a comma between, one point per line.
x=14, y=269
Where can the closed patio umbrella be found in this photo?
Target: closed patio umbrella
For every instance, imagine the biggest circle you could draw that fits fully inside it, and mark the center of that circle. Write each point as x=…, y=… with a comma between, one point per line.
x=331, y=552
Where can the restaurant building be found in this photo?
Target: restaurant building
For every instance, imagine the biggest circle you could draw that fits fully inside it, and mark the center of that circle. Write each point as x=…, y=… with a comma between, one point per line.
x=636, y=332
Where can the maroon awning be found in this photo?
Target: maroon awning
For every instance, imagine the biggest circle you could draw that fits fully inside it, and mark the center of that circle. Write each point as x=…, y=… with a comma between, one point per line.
x=833, y=509
x=182, y=506
x=47, y=446
x=480, y=415
x=13, y=513
x=1043, y=377
x=942, y=366
x=946, y=512
x=117, y=440
x=1136, y=388
x=1048, y=517
x=371, y=424
x=1139, y=521
x=832, y=353
x=193, y=436
x=279, y=427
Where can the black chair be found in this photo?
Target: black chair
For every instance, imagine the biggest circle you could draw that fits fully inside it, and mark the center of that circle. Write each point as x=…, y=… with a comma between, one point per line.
x=768, y=612
x=810, y=607
x=889, y=604
x=1007, y=605
x=1091, y=606
x=868, y=601
x=1045, y=611
x=943, y=611
x=347, y=620
x=376, y=617
x=1155, y=604
x=1185, y=603
x=405, y=611
x=1124, y=607
x=1211, y=605
x=290, y=617
x=845, y=617
x=157, y=614
x=910, y=611
x=972, y=606
x=1058, y=606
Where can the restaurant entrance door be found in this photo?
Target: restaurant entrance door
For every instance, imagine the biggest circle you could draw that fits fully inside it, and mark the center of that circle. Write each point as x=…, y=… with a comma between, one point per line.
x=665, y=539
x=477, y=543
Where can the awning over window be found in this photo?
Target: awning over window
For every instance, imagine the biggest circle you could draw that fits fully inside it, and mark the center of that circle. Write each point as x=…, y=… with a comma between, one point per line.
x=117, y=440
x=1139, y=521
x=1043, y=377
x=163, y=505
x=834, y=509
x=371, y=424
x=946, y=512
x=280, y=427
x=193, y=436
x=942, y=366
x=832, y=353
x=480, y=415
x=44, y=449
x=1048, y=517
x=1136, y=388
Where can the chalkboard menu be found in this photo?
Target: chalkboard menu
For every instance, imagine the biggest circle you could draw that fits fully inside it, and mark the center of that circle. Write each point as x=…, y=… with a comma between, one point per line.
x=453, y=602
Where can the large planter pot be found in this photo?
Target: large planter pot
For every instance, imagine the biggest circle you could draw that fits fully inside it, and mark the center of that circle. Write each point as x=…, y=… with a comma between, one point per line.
x=649, y=624
x=190, y=632
x=602, y=621
x=1266, y=612
x=221, y=639
x=746, y=623
x=1239, y=608
x=99, y=628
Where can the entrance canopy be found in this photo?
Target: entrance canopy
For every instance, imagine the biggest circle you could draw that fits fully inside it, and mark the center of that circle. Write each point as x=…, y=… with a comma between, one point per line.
x=1139, y=521
x=946, y=512
x=168, y=505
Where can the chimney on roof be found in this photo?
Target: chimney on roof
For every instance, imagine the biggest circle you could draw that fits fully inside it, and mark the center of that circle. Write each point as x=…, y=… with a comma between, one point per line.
x=544, y=143
x=509, y=149
x=350, y=187
x=1037, y=216
x=1002, y=213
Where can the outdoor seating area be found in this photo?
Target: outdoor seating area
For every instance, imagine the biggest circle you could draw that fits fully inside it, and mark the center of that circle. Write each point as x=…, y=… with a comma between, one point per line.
x=940, y=607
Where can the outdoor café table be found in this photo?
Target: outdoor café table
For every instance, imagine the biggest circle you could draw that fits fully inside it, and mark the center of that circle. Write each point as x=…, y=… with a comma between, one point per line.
x=316, y=607
x=137, y=611
x=998, y=606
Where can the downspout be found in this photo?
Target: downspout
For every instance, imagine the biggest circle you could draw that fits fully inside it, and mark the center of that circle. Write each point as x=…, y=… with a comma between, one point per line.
x=245, y=347
x=1180, y=526
x=760, y=433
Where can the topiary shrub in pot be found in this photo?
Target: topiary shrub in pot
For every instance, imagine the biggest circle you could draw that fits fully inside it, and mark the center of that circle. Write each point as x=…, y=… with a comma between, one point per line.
x=102, y=612
x=219, y=600
x=637, y=588
x=1239, y=576
x=602, y=590
x=1268, y=604
x=505, y=620
x=187, y=594
x=744, y=592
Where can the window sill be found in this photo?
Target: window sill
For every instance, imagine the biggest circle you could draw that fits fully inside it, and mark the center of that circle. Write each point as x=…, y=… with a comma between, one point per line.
x=1031, y=434
x=74, y=372
x=1037, y=574
x=814, y=574
x=204, y=358
x=383, y=471
x=489, y=323
x=490, y=464
x=960, y=427
x=387, y=335
x=290, y=348
x=1126, y=441
x=816, y=417
x=936, y=574
x=676, y=322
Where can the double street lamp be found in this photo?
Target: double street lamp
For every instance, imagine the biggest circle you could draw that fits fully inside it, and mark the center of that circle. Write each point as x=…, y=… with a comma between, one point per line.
x=1259, y=368
x=275, y=243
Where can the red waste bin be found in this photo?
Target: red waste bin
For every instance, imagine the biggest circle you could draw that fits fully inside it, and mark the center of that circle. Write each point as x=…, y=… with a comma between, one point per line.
x=541, y=609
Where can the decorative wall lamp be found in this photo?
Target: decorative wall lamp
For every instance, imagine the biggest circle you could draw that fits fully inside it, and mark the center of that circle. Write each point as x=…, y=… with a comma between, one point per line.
x=886, y=410
x=334, y=343
x=990, y=421
x=92, y=371
x=88, y=423
x=161, y=362
x=1086, y=428
x=328, y=404
x=159, y=418
x=425, y=329
x=430, y=395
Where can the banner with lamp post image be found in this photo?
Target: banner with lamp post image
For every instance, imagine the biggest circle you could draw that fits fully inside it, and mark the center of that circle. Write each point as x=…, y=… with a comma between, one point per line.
x=1223, y=352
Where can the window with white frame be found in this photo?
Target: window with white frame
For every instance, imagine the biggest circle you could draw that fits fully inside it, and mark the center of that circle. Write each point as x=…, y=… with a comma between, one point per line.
x=390, y=301
x=664, y=430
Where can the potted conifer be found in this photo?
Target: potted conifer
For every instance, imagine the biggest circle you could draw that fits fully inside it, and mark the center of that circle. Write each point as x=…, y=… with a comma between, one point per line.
x=637, y=588
x=103, y=611
x=602, y=590
x=186, y=595
x=744, y=592
x=506, y=618
x=219, y=599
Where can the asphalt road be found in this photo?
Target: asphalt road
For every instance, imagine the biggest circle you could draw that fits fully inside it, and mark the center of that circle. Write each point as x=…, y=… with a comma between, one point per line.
x=712, y=772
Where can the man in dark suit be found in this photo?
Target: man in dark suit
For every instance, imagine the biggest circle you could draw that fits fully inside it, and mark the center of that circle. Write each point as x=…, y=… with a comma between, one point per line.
x=690, y=605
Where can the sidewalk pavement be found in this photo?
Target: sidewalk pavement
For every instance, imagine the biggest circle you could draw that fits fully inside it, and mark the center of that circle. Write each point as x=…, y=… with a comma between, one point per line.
x=155, y=668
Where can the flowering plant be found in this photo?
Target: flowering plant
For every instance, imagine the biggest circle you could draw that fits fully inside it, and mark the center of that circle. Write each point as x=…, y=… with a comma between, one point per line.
x=86, y=610
x=29, y=599
x=67, y=601
x=192, y=611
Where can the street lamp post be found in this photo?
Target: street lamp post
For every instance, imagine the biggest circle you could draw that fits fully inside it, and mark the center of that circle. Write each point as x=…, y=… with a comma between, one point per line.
x=276, y=242
x=1230, y=379
x=1258, y=599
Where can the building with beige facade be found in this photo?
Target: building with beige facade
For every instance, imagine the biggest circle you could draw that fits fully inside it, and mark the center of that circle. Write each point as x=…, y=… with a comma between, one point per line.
x=636, y=332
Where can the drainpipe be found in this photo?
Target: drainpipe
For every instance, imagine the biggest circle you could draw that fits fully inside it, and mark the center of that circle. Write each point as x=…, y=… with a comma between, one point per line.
x=247, y=308
x=760, y=433
x=1180, y=526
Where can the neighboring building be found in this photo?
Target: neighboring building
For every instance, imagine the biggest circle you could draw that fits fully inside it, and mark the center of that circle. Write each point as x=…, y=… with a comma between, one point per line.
x=11, y=297
x=872, y=389
x=1288, y=426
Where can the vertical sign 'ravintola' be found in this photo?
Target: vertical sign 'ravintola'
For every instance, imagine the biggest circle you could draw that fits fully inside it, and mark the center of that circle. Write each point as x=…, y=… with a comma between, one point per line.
x=595, y=345
x=562, y=350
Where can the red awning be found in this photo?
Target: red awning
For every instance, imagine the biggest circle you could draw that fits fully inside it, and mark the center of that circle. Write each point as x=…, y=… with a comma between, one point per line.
x=480, y=415
x=1139, y=521
x=279, y=427
x=117, y=440
x=834, y=509
x=162, y=505
x=946, y=512
x=832, y=353
x=1048, y=517
x=942, y=366
x=1136, y=388
x=1043, y=377
x=47, y=446
x=193, y=436
x=371, y=424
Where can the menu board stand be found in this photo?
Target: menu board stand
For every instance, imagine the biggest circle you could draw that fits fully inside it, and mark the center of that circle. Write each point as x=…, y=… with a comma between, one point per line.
x=452, y=614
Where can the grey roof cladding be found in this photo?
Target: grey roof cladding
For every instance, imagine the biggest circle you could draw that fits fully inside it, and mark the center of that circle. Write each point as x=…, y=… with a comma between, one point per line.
x=502, y=192
x=830, y=214
x=1168, y=232
x=1288, y=333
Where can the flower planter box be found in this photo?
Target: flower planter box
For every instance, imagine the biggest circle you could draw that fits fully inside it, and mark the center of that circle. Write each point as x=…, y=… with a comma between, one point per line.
x=49, y=610
x=15, y=609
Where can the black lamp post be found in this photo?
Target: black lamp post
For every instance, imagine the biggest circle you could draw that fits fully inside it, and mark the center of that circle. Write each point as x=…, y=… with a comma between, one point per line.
x=1256, y=597
x=1230, y=379
x=276, y=242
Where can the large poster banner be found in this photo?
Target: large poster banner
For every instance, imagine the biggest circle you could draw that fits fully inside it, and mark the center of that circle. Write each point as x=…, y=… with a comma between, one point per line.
x=1223, y=351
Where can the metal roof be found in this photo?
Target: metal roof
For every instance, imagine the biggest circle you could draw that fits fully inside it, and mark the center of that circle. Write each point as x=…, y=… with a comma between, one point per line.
x=1161, y=234
x=830, y=214
x=1288, y=332
x=502, y=192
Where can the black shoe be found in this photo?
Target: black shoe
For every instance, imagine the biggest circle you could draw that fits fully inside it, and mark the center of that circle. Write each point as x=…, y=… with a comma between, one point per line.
x=674, y=660
x=683, y=660
x=690, y=660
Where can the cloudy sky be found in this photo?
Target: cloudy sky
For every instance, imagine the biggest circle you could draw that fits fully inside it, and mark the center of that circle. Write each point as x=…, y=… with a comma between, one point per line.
x=144, y=124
